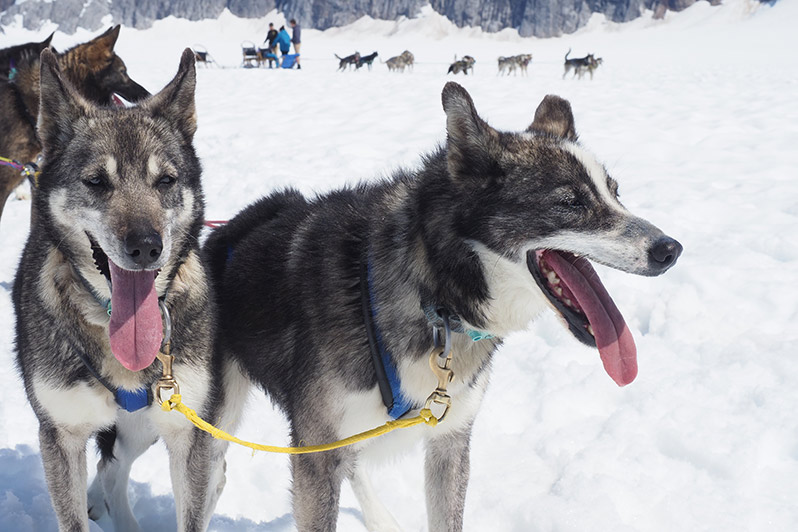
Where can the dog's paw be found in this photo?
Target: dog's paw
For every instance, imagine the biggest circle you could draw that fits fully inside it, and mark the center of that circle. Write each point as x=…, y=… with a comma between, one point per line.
x=97, y=505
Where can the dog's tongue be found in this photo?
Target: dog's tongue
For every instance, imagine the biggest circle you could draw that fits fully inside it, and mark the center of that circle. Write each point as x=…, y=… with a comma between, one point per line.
x=135, y=330
x=613, y=338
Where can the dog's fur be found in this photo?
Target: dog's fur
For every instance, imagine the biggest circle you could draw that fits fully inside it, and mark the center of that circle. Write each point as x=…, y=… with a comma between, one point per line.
x=463, y=65
x=93, y=68
x=348, y=61
x=14, y=55
x=116, y=178
x=367, y=60
x=577, y=63
x=462, y=233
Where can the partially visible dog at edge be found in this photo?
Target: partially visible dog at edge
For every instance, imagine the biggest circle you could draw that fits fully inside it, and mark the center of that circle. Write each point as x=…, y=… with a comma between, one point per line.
x=93, y=68
x=322, y=299
x=113, y=248
x=14, y=55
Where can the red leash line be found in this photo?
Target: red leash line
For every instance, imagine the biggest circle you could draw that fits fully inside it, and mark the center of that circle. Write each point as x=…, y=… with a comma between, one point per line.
x=214, y=223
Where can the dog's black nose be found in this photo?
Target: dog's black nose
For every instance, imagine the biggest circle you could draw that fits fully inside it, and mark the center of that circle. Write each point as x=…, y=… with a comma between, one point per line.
x=665, y=251
x=144, y=247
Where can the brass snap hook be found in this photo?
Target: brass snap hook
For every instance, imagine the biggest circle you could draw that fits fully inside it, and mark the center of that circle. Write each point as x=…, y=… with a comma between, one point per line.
x=444, y=374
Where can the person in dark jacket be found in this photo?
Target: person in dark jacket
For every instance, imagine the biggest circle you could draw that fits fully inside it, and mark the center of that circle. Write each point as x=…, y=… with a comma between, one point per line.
x=271, y=37
x=296, y=39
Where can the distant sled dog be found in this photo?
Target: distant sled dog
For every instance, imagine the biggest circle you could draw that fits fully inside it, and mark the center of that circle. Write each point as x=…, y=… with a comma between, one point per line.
x=463, y=65
x=578, y=64
x=398, y=63
x=319, y=296
x=366, y=60
x=345, y=62
x=113, y=247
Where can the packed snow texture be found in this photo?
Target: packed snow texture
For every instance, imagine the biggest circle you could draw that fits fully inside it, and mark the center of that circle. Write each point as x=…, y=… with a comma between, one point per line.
x=696, y=117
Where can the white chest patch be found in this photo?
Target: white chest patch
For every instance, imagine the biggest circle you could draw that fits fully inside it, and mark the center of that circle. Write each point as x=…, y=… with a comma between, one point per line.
x=77, y=406
x=515, y=299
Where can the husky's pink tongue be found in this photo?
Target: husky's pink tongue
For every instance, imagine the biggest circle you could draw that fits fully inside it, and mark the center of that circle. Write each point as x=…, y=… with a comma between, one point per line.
x=135, y=330
x=613, y=338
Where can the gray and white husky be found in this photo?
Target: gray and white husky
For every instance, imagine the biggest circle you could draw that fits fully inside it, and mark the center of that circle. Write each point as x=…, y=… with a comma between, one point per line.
x=492, y=229
x=113, y=244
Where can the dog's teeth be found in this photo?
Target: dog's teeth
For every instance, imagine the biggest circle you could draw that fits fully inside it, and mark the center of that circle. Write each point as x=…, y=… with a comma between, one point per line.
x=590, y=330
x=568, y=302
x=552, y=277
x=558, y=290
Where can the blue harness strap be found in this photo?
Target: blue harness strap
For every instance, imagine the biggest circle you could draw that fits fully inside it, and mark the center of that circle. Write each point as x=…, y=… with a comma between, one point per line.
x=126, y=399
x=384, y=366
x=133, y=400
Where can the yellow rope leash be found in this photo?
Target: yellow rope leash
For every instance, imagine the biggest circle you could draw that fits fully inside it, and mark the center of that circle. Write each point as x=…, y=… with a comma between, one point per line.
x=175, y=403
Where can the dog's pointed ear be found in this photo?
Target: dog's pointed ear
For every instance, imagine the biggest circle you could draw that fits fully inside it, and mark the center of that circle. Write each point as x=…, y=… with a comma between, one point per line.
x=60, y=105
x=45, y=43
x=469, y=139
x=176, y=100
x=554, y=117
x=108, y=39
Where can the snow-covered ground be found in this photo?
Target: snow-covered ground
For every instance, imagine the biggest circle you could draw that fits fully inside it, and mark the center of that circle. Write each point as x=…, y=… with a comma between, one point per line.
x=695, y=115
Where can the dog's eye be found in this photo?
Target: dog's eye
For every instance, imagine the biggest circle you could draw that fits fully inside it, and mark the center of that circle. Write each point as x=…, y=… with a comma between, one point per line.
x=569, y=198
x=97, y=181
x=166, y=181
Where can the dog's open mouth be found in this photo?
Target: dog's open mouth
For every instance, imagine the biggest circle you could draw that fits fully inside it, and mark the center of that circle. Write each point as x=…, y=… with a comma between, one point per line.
x=576, y=292
x=135, y=329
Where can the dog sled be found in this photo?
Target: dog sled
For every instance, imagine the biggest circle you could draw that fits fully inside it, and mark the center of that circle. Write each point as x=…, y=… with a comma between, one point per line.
x=202, y=56
x=250, y=55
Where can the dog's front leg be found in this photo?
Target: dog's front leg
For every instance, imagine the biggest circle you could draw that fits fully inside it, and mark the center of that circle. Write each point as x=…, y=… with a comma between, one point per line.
x=133, y=435
x=446, y=470
x=64, y=457
x=317, y=487
x=194, y=461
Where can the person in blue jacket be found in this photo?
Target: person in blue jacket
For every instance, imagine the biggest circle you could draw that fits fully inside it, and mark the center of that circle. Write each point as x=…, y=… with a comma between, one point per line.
x=283, y=41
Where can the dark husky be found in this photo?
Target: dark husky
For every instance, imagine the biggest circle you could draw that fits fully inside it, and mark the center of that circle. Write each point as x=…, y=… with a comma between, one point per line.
x=367, y=60
x=113, y=245
x=577, y=64
x=463, y=65
x=493, y=228
x=14, y=55
x=93, y=68
x=349, y=60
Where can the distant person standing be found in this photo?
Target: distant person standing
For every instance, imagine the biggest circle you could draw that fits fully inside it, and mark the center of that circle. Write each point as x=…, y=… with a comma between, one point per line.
x=296, y=38
x=271, y=36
